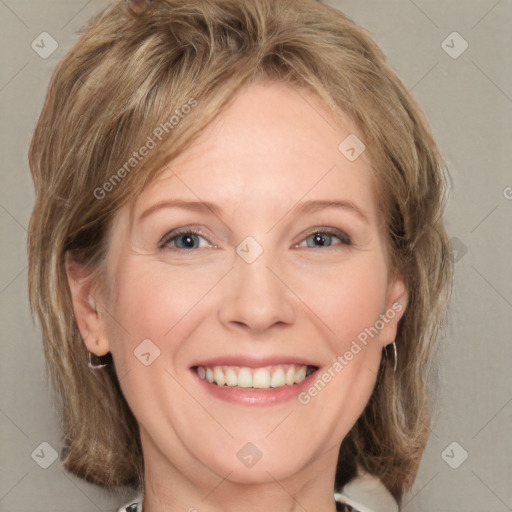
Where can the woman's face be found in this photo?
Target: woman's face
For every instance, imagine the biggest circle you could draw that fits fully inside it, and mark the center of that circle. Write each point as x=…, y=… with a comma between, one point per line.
x=264, y=260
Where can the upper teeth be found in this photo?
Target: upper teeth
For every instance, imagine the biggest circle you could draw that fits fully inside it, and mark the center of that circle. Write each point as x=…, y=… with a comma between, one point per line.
x=274, y=376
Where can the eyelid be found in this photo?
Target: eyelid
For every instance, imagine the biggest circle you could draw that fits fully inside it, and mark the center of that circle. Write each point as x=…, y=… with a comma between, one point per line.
x=170, y=235
x=342, y=235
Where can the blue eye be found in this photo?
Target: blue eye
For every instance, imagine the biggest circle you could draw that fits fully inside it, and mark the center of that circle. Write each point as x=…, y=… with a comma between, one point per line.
x=182, y=240
x=324, y=239
x=188, y=239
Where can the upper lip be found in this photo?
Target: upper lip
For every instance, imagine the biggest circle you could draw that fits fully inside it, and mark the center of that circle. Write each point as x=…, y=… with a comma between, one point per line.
x=254, y=361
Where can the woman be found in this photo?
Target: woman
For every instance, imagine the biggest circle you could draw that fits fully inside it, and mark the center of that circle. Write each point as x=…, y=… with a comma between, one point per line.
x=248, y=266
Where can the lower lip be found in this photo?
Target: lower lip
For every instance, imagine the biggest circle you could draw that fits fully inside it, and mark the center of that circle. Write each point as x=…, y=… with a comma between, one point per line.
x=251, y=396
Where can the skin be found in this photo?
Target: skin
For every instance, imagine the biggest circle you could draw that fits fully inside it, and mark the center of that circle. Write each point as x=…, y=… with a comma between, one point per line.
x=271, y=149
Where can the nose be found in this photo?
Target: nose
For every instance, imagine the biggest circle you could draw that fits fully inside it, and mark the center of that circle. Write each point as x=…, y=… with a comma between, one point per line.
x=257, y=296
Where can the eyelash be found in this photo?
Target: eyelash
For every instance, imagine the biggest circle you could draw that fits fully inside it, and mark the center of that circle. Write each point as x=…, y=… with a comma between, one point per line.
x=169, y=237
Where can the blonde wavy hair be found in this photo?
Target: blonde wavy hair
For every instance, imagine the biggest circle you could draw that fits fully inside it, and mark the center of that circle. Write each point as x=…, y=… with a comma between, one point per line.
x=128, y=75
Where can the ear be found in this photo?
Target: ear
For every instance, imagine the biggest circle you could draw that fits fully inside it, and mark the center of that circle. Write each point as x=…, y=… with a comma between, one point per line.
x=397, y=298
x=85, y=306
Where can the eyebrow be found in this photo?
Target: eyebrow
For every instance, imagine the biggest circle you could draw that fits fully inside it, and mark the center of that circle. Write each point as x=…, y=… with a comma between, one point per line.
x=310, y=206
x=197, y=206
x=321, y=204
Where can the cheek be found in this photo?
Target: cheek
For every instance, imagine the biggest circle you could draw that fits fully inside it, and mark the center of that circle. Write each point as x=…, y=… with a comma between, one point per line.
x=348, y=302
x=152, y=301
x=150, y=321
x=348, y=299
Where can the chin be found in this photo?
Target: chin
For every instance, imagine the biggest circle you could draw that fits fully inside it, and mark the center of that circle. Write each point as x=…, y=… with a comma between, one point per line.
x=258, y=462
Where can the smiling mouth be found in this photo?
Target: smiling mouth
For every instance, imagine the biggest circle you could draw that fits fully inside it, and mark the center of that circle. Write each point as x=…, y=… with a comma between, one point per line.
x=266, y=377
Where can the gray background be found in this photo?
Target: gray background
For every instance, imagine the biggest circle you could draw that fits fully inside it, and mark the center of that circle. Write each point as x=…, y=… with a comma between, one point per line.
x=468, y=101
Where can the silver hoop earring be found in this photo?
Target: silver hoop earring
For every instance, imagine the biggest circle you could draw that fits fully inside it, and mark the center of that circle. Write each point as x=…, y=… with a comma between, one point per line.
x=96, y=362
x=395, y=356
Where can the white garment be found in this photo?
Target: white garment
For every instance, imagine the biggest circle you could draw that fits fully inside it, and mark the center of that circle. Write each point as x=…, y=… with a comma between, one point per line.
x=365, y=493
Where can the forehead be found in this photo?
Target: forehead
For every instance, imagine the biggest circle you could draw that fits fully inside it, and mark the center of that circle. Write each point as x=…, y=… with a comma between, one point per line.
x=273, y=146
